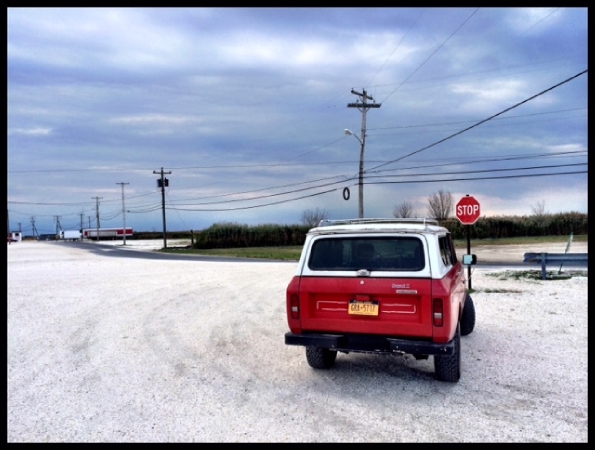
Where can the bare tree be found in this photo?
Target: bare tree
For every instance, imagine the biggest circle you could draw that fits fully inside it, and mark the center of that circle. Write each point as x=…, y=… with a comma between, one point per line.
x=312, y=217
x=440, y=205
x=538, y=208
x=539, y=213
x=404, y=210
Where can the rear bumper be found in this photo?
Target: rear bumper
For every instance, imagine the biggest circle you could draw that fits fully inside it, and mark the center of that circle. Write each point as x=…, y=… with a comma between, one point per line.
x=368, y=344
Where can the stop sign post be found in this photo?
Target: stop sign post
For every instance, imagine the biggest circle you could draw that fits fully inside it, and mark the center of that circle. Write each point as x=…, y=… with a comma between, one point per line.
x=468, y=211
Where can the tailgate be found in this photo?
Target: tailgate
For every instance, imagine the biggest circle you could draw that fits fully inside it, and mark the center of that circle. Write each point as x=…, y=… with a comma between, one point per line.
x=383, y=306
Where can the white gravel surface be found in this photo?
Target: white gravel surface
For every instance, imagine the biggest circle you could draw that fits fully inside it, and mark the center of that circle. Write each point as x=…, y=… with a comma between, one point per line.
x=119, y=349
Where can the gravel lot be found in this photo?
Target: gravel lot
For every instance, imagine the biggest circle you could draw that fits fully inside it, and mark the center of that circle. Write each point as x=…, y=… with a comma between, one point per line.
x=106, y=349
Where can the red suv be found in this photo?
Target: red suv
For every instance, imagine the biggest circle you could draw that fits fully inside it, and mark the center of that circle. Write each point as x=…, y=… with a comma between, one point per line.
x=381, y=286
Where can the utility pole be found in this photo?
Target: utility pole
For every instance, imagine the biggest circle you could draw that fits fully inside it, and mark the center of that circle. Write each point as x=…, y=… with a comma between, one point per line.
x=82, y=214
x=363, y=106
x=34, y=230
x=97, y=216
x=163, y=183
x=123, y=211
x=58, y=226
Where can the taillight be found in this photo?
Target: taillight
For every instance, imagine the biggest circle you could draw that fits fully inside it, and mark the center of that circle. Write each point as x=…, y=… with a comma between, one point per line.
x=438, y=312
x=294, y=304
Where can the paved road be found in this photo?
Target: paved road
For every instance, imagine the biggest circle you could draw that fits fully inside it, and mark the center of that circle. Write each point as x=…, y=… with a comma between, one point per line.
x=489, y=258
x=119, y=251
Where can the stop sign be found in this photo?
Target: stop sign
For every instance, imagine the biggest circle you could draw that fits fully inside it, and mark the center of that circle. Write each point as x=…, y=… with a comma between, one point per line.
x=467, y=210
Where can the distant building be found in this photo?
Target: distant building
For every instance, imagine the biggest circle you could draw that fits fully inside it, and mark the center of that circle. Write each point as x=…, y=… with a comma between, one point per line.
x=15, y=236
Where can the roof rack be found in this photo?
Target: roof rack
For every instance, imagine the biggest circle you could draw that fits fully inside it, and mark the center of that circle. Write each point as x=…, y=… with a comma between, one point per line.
x=422, y=220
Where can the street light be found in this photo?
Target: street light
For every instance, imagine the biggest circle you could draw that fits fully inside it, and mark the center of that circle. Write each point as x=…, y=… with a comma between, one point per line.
x=361, y=172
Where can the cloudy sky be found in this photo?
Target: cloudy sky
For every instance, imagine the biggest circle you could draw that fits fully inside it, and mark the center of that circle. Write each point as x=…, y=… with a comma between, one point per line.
x=244, y=111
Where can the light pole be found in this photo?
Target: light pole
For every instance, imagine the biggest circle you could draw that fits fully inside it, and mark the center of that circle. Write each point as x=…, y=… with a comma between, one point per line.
x=361, y=171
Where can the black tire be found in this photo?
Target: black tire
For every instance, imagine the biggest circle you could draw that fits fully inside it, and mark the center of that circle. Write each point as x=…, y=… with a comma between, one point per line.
x=448, y=367
x=468, y=317
x=320, y=358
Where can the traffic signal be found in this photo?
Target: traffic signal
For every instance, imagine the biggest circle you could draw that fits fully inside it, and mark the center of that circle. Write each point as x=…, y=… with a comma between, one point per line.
x=159, y=182
x=165, y=182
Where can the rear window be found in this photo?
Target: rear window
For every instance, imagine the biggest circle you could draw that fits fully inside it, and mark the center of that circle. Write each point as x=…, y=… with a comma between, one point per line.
x=384, y=254
x=447, y=250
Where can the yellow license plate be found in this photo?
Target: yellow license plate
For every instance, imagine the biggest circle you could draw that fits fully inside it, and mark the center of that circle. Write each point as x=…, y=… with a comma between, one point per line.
x=363, y=308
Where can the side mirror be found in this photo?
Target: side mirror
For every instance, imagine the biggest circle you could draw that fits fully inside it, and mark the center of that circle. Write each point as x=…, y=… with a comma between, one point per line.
x=469, y=260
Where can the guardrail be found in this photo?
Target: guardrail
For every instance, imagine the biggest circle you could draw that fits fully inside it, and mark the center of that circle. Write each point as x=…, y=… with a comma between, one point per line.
x=549, y=258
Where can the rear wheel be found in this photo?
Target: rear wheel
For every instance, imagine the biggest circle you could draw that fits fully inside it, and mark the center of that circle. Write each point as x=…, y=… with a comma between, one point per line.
x=320, y=358
x=448, y=367
x=468, y=317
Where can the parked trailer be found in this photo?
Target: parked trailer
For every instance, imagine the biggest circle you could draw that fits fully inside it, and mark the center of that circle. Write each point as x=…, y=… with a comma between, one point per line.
x=106, y=233
x=70, y=235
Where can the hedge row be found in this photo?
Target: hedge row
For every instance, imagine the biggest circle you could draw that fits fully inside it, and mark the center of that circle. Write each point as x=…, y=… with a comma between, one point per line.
x=561, y=224
x=234, y=235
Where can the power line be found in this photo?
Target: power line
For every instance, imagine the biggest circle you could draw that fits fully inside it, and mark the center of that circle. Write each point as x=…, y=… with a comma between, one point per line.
x=280, y=164
x=432, y=54
x=379, y=182
x=269, y=195
x=556, y=166
x=483, y=121
x=152, y=208
x=480, y=179
x=473, y=121
x=401, y=158
x=370, y=177
x=398, y=45
x=259, y=206
x=572, y=154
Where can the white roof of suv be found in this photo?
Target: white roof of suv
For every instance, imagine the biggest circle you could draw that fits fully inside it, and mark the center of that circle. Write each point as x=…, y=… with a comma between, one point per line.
x=411, y=225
